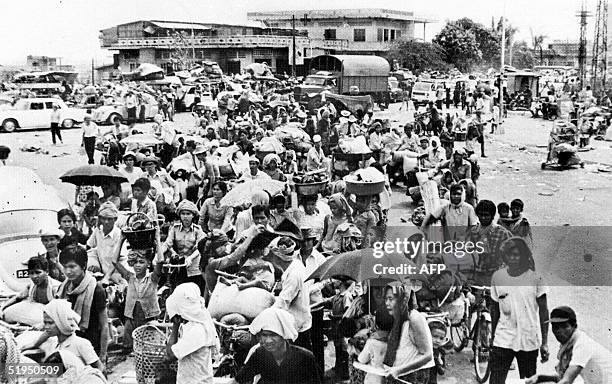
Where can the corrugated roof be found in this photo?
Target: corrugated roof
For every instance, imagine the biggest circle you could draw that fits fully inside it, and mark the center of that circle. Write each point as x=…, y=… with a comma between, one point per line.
x=179, y=25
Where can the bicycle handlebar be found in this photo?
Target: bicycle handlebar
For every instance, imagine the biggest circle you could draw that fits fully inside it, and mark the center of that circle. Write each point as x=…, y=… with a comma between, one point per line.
x=174, y=265
x=480, y=288
x=229, y=326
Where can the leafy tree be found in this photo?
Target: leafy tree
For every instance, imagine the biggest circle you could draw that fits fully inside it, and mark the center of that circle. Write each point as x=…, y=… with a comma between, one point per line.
x=418, y=56
x=523, y=55
x=460, y=45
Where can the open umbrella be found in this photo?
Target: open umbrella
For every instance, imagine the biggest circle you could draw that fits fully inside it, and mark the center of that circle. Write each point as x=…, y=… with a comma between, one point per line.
x=93, y=175
x=362, y=265
x=241, y=193
x=141, y=138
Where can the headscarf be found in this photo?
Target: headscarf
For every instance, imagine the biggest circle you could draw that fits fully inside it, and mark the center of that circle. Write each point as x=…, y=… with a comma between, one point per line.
x=271, y=157
x=340, y=201
x=275, y=320
x=281, y=251
x=188, y=206
x=260, y=197
x=187, y=302
x=401, y=315
x=66, y=320
x=108, y=209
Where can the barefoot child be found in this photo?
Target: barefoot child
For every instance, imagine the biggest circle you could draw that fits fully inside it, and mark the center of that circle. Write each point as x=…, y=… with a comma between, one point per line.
x=375, y=348
x=438, y=337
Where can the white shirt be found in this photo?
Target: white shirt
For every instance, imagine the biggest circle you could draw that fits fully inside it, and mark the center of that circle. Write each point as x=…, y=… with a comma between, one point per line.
x=79, y=346
x=55, y=116
x=90, y=130
x=314, y=159
x=519, y=322
x=294, y=296
x=312, y=263
x=103, y=246
x=595, y=360
x=194, y=356
x=259, y=176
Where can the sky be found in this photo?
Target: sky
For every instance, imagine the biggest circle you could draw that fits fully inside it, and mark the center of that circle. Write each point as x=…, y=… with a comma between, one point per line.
x=70, y=28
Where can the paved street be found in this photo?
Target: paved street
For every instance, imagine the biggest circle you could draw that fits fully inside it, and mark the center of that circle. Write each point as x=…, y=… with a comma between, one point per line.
x=559, y=204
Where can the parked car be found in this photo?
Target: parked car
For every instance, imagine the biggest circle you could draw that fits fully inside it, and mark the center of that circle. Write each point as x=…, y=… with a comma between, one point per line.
x=114, y=107
x=395, y=91
x=423, y=92
x=27, y=205
x=32, y=113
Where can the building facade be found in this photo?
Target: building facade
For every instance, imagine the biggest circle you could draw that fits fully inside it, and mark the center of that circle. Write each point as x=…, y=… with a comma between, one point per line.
x=174, y=45
x=46, y=63
x=348, y=31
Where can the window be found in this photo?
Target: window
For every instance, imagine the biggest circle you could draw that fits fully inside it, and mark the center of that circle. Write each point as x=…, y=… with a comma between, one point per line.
x=379, y=35
x=398, y=34
x=386, y=35
x=49, y=105
x=133, y=66
x=393, y=34
x=329, y=34
x=37, y=106
x=359, y=34
x=131, y=54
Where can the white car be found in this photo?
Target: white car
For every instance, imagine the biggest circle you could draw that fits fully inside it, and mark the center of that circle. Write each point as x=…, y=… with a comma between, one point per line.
x=423, y=92
x=27, y=205
x=32, y=113
x=114, y=108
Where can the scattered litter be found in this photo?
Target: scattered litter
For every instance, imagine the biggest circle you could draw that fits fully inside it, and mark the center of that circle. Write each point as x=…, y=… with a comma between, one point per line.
x=546, y=193
x=522, y=148
x=604, y=168
x=566, y=225
x=32, y=148
x=60, y=154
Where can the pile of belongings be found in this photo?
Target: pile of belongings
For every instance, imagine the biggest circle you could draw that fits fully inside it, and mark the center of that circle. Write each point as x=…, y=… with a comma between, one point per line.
x=356, y=145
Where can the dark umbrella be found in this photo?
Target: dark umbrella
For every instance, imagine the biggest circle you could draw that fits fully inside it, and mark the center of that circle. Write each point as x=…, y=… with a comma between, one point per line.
x=97, y=175
x=361, y=265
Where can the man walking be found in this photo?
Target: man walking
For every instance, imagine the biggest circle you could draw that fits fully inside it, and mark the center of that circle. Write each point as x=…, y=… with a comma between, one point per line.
x=55, y=124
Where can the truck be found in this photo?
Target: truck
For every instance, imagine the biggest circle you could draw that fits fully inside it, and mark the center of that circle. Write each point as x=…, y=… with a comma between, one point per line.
x=346, y=75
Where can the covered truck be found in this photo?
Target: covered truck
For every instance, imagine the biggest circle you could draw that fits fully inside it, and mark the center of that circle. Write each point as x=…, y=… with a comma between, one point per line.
x=346, y=75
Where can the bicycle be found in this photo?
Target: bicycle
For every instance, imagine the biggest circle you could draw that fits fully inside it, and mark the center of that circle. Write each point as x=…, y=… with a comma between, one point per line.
x=231, y=358
x=476, y=326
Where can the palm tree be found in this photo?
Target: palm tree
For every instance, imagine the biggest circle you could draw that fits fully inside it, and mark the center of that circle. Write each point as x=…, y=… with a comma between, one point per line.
x=538, y=41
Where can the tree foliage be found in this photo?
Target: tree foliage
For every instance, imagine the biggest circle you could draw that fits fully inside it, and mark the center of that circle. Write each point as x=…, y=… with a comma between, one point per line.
x=468, y=44
x=418, y=56
x=523, y=55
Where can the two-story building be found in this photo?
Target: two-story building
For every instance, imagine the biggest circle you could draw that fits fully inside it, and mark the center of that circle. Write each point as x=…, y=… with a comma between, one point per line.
x=173, y=45
x=348, y=31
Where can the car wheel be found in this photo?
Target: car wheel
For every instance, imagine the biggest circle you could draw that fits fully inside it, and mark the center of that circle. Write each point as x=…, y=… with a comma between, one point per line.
x=9, y=125
x=112, y=117
x=68, y=123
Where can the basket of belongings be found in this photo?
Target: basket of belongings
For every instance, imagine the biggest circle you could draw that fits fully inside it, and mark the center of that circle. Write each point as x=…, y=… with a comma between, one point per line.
x=139, y=231
x=365, y=182
x=310, y=184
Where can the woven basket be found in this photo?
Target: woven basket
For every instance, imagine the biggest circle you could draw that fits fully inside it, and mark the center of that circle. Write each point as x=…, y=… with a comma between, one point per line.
x=359, y=188
x=140, y=239
x=150, y=353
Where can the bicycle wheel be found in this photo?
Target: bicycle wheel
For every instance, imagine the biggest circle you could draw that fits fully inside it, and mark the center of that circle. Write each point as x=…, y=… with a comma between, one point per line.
x=482, y=335
x=460, y=336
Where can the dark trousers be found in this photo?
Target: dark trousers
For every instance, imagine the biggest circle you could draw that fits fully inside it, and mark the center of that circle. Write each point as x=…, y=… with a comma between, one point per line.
x=90, y=148
x=439, y=104
x=55, y=131
x=316, y=338
x=304, y=340
x=500, y=361
x=131, y=112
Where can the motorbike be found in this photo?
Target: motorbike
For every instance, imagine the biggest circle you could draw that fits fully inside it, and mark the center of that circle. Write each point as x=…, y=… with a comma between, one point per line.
x=549, y=111
x=520, y=102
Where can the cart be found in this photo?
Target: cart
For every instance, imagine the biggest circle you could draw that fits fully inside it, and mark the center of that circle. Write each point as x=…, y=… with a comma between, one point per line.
x=562, y=148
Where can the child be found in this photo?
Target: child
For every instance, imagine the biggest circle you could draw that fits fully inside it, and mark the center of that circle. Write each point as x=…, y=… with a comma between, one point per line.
x=290, y=166
x=364, y=218
x=471, y=140
x=141, y=305
x=182, y=242
x=504, y=215
x=42, y=290
x=438, y=337
x=520, y=226
x=194, y=339
x=340, y=303
x=90, y=211
x=469, y=101
x=340, y=213
x=255, y=271
x=140, y=200
x=375, y=348
x=50, y=239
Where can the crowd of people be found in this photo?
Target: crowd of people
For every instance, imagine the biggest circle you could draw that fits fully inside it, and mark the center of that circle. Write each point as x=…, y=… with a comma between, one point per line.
x=274, y=241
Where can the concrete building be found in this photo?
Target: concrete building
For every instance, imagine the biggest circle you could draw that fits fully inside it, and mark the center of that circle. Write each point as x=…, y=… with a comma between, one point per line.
x=173, y=45
x=348, y=31
x=46, y=63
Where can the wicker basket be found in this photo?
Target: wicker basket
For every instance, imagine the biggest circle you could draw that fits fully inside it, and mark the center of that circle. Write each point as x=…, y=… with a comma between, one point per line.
x=310, y=188
x=139, y=239
x=150, y=353
x=359, y=188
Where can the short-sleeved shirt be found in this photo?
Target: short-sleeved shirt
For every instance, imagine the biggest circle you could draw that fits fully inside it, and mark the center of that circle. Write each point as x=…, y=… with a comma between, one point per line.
x=98, y=305
x=90, y=130
x=79, y=346
x=519, y=321
x=217, y=216
x=595, y=360
x=457, y=219
x=298, y=367
x=184, y=241
x=294, y=296
x=147, y=207
x=103, y=247
x=194, y=357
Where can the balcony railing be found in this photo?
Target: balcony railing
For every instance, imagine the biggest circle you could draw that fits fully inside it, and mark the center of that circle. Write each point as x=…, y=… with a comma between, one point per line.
x=243, y=41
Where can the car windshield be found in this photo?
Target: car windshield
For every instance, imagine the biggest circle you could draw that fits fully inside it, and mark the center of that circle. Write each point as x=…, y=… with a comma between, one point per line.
x=394, y=84
x=423, y=87
x=21, y=104
x=314, y=81
x=26, y=221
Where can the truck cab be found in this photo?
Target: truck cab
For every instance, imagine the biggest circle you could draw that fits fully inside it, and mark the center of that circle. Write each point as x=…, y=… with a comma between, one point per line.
x=317, y=83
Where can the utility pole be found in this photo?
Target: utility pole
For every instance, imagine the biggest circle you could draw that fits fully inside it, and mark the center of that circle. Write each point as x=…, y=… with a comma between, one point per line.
x=293, y=44
x=599, y=65
x=93, y=81
x=582, y=52
x=503, y=58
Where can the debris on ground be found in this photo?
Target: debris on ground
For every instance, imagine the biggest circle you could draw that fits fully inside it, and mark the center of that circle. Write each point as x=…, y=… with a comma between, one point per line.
x=34, y=149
